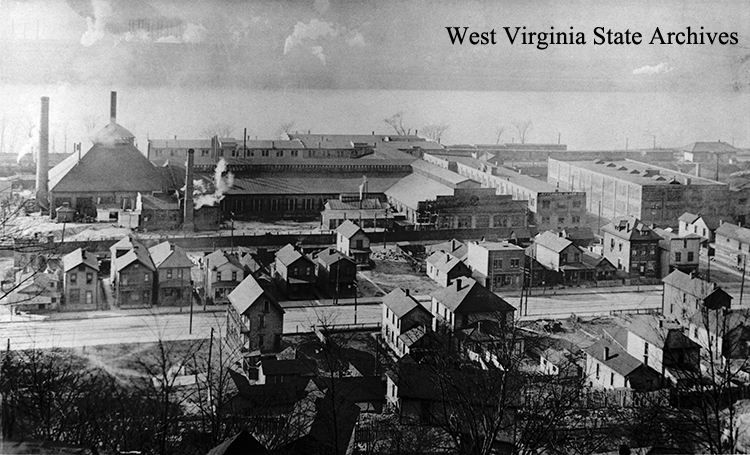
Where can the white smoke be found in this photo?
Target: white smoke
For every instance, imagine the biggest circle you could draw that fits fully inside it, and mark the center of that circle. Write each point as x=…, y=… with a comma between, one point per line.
x=316, y=30
x=661, y=68
x=194, y=33
x=222, y=184
x=31, y=146
x=95, y=26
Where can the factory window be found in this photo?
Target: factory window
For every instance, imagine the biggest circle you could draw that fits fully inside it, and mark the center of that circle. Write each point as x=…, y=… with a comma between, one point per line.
x=515, y=263
x=545, y=204
x=464, y=222
x=264, y=153
x=561, y=219
x=261, y=321
x=204, y=152
x=483, y=221
x=576, y=219
x=576, y=204
x=545, y=220
x=497, y=264
x=279, y=153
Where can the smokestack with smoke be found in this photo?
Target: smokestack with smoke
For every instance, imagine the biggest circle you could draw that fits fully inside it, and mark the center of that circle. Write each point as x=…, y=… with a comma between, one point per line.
x=188, y=223
x=222, y=184
x=42, y=162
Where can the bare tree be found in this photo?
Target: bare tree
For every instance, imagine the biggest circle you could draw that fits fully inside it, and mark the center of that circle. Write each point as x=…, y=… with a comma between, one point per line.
x=221, y=130
x=523, y=127
x=396, y=121
x=285, y=129
x=434, y=131
x=91, y=123
x=498, y=133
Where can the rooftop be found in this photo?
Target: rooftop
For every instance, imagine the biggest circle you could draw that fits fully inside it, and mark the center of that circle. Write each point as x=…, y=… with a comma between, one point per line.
x=501, y=172
x=641, y=173
x=415, y=188
x=552, y=241
x=445, y=262
x=711, y=147
x=312, y=182
x=618, y=359
x=78, y=257
x=498, y=246
x=465, y=295
x=180, y=143
x=247, y=292
x=348, y=229
x=734, y=232
x=288, y=255
x=401, y=302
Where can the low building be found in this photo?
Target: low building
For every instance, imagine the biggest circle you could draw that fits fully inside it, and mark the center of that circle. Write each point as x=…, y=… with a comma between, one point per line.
x=159, y=213
x=222, y=273
x=370, y=213
x=255, y=321
x=678, y=252
x=81, y=290
x=609, y=366
x=466, y=302
x=703, y=225
x=633, y=247
x=443, y=268
x=173, y=280
x=685, y=294
x=710, y=153
x=402, y=313
x=496, y=265
x=336, y=273
x=732, y=245
x=294, y=272
x=134, y=281
x=353, y=242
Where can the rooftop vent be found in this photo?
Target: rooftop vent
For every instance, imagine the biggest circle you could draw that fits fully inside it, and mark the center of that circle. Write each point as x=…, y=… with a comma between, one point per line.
x=611, y=165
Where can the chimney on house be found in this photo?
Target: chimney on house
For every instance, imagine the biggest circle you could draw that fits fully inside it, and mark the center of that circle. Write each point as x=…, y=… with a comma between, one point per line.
x=459, y=282
x=42, y=161
x=454, y=247
x=606, y=352
x=188, y=223
x=113, y=107
x=406, y=291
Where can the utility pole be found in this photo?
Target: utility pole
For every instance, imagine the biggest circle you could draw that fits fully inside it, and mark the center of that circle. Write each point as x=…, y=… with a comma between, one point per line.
x=191, y=307
x=742, y=286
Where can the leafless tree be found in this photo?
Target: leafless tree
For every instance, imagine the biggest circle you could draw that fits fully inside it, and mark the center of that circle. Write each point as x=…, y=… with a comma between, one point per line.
x=434, y=131
x=221, y=130
x=8, y=135
x=91, y=123
x=396, y=121
x=285, y=129
x=523, y=127
x=499, y=133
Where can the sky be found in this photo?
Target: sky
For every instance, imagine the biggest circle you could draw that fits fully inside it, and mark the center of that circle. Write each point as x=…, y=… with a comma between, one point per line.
x=357, y=44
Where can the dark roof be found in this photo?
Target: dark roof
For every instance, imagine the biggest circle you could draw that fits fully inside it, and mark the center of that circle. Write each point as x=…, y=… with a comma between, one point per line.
x=366, y=204
x=630, y=228
x=106, y=168
x=289, y=255
x=243, y=443
x=594, y=260
x=401, y=303
x=219, y=258
x=78, y=257
x=159, y=203
x=710, y=147
x=274, y=367
x=348, y=229
x=579, y=233
x=311, y=182
x=619, y=360
x=657, y=331
x=452, y=246
x=465, y=295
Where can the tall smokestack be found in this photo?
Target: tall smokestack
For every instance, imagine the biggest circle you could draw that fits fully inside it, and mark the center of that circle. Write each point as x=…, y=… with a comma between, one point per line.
x=113, y=107
x=42, y=161
x=188, y=224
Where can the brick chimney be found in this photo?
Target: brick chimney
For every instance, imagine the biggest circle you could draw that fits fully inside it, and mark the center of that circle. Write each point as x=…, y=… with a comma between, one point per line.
x=459, y=282
x=113, y=107
x=606, y=352
x=188, y=223
x=42, y=161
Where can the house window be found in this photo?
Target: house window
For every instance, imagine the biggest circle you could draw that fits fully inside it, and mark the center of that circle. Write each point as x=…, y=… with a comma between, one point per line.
x=146, y=296
x=561, y=220
x=612, y=379
x=89, y=278
x=576, y=219
x=619, y=247
x=678, y=257
x=515, y=263
x=691, y=256
x=260, y=341
x=266, y=306
x=545, y=219
x=597, y=371
x=169, y=274
x=577, y=204
x=73, y=278
x=218, y=275
x=262, y=321
x=684, y=243
x=359, y=243
x=308, y=271
x=145, y=278
x=279, y=153
x=497, y=264
x=545, y=204
x=645, y=353
x=234, y=276
x=74, y=296
x=294, y=152
x=89, y=297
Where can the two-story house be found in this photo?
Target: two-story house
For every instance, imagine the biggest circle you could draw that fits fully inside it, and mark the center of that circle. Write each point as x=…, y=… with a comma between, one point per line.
x=443, y=268
x=609, y=366
x=134, y=278
x=80, y=281
x=401, y=314
x=173, y=283
x=120, y=248
x=702, y=225
x=496, y=265
x=294, y=272
x=663, y=346
x=684, y=295
x=723, y=334
x=465, y=302
x=255, y=321
x=560, y=256
x=678, y=252
x=732, y=245
x=353, y=242
x=222, y=272
x=452, y=247
x=632, y=246
x=336, y=273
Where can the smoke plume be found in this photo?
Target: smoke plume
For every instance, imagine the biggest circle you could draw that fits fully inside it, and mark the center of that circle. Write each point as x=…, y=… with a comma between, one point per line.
x=222, y=184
